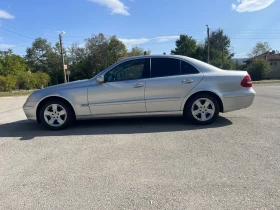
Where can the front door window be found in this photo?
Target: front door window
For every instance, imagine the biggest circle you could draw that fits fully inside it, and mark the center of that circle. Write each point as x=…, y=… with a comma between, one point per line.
x=130, y=70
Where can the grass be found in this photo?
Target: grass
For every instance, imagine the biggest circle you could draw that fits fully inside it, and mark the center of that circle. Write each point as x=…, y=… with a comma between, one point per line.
x=266, y=81
x=16, y=93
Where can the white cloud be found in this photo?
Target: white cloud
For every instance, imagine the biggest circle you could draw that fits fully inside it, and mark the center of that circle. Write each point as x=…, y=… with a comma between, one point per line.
x=251, y=5
x=6, y=46
x=116, y=6
x=129, y=42
x=6, y=15
x=162, y=39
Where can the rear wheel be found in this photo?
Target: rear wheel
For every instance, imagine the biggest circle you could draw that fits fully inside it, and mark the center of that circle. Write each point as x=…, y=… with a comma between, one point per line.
x=56, y=115
x=202, y=109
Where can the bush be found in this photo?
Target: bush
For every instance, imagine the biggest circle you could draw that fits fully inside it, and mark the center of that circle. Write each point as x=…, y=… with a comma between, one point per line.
x=7, y=83
x=24, y=81
x=41, y=79
x=258, y=69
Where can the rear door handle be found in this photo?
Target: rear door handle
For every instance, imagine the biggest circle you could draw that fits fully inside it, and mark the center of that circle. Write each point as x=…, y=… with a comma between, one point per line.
x=138, y=85
x=187, y=81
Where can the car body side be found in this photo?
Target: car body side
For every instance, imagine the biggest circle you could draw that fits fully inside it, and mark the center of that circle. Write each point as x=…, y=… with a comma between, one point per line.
x=221, y=83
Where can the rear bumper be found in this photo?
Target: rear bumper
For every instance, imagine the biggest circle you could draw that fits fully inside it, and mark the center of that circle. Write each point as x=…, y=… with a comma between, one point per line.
x=238, y=100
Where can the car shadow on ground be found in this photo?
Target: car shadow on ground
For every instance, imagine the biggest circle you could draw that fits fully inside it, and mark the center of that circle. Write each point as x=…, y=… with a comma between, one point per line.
x=28, y=130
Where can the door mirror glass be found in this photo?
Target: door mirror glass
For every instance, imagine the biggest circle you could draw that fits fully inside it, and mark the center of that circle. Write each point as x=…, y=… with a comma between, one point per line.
x=100, y=79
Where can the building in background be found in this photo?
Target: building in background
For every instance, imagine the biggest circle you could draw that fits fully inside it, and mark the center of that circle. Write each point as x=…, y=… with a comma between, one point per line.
x=273, y=57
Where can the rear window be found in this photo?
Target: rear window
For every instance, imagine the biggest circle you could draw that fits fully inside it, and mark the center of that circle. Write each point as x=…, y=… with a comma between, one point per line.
x=187, y=68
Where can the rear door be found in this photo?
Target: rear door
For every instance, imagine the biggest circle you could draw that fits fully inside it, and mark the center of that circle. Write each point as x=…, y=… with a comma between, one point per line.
x=170, y=82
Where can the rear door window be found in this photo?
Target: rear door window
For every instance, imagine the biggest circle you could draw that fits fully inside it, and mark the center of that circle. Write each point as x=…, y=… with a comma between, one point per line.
x=164, y=67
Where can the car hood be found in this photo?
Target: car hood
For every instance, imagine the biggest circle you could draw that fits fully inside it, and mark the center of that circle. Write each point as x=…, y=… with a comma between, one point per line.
x=68, y=85
x=56, y=89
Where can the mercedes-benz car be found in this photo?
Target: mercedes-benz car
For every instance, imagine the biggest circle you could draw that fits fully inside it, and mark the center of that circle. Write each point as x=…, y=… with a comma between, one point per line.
x=144, y=86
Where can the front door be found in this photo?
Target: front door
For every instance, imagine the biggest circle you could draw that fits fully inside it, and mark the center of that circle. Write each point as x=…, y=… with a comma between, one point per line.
x=122, y=91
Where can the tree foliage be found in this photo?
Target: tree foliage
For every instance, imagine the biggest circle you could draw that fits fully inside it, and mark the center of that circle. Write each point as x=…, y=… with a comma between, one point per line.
x=137, y=51
x=41, y=56
x=220, y=52
x=258, y=69
x=186, y=46
x=11, y=64
x=260, y=48
x=15, y=73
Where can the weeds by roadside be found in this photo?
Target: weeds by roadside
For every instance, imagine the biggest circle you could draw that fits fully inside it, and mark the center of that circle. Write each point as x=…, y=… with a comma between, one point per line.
x=16, y=93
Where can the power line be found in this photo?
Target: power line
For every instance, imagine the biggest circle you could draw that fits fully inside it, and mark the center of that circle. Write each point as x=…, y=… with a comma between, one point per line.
x=16, y=24
x=23, y=27
x=16, y=33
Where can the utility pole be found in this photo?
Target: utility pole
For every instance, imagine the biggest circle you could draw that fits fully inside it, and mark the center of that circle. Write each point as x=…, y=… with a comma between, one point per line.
x=208, y=35
x=62, y=55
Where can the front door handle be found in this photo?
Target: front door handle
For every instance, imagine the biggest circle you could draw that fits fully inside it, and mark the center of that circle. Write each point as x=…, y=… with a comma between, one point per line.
x=138, y=85
x=187, y=81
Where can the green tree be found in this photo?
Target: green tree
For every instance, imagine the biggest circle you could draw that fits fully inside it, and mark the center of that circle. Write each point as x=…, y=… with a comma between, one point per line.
x=260, y=48
x=136, y=51
x=201, y=52
x=186, y=46
x=11, y=64
x=77, y=58
x=103, y=52
x=220, y=52
x=41, y=56
x=258, y=69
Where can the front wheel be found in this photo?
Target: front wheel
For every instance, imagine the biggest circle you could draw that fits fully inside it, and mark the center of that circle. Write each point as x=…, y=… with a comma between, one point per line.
x=202, y=109
x=56, y=115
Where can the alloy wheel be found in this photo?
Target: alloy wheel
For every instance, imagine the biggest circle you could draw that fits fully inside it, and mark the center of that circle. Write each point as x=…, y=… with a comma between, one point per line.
x=55, y=115
x=203, y=109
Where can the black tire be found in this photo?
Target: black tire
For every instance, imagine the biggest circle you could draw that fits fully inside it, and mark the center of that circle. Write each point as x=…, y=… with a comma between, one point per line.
x=194, y=119
x=68, y=120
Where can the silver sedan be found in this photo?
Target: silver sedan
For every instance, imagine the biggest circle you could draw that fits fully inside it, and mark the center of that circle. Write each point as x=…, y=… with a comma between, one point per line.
x=144, y=86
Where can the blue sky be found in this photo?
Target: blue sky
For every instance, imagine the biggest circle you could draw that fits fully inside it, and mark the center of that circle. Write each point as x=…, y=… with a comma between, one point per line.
x=150, y=24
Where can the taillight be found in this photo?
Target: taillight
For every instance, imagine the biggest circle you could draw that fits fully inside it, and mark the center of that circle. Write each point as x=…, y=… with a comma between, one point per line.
x=246, y=82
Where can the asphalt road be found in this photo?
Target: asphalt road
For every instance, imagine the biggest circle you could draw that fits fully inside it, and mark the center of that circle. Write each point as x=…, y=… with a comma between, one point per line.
x=155, y=163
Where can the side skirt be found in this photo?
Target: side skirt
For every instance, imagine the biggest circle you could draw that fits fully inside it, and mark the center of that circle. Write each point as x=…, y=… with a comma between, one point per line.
x=131, y=115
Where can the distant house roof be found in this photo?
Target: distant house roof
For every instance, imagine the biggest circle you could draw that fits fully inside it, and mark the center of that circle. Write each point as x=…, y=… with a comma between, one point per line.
x=268, y=56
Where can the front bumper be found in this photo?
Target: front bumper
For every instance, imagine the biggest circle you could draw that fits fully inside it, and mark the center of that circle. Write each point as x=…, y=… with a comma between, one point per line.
x=29, y=109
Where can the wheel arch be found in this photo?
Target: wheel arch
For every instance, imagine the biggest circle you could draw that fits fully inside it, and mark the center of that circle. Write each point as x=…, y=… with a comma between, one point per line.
x=213, y=94
x=49, y=98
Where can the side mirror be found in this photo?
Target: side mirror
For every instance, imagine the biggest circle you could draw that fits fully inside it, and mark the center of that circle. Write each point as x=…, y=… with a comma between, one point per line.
x=100, y=79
